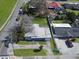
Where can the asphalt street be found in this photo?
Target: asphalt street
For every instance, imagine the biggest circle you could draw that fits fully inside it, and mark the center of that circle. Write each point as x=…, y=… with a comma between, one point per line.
x=10, y=24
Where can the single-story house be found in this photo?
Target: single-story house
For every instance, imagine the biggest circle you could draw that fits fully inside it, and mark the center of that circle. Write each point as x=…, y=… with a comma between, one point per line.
x=52, y=4
x=65, y=31
x=73, y=6
x=38, y=33
x=56, y=6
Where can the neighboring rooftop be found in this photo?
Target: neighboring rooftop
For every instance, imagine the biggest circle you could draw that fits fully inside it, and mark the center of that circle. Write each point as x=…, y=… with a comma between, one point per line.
x=52, y=4
x=62, y=25
x=65, y=31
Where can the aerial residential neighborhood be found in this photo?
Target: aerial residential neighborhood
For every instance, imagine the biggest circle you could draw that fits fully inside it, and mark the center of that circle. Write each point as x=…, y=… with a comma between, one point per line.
x=39, y=29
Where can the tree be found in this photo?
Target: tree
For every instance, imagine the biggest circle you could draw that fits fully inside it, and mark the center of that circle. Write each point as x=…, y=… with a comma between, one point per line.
x=22, y=26
x=70, y=17
x=25, y=8
x=40, y=7
x=18, y=34
x=26, y=23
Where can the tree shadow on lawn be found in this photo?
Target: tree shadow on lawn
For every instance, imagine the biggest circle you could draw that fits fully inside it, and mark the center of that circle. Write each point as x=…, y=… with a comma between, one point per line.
x=36, y=50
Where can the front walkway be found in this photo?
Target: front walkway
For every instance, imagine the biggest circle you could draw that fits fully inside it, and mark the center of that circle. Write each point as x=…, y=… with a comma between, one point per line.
x=17, y=46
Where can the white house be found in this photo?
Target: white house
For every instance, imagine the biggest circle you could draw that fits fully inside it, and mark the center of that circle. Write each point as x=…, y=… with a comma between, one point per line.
x=38, y=33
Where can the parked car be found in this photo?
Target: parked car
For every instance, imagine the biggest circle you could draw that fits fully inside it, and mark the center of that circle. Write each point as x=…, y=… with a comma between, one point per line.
x=68, y=43
x=6, y=43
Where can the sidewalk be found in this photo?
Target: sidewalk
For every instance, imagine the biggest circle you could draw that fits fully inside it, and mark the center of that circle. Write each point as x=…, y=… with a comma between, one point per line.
x=47, y=57
x=10, y=50
x=16, y=46
x=36, y=57
x=48, y=47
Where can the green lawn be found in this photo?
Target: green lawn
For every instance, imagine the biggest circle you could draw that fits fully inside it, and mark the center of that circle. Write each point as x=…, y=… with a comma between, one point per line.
x=25, y=43
x=42, y=42
x=31, y=42
x=54, y=50
x=40, y=21
x=77, y=40
x=59, y=21
x=75, y=11
x=29, y=52
x=6, y=7
x=51, y=42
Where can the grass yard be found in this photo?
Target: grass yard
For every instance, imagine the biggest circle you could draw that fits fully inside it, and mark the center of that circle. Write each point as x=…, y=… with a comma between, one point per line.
x=54, y=50
x=51, y=42
x=40, y=21
x=6, y=7
x=29, y=52
x=42, y=42
x=59, y=21
x=31, y=42
x=25, y=43
x=75, y=11
x=77, y=40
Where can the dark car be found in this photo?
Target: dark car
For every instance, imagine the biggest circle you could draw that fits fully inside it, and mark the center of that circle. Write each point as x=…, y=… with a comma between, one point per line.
x=6, y=43
x=68, y=44
x=20, y=11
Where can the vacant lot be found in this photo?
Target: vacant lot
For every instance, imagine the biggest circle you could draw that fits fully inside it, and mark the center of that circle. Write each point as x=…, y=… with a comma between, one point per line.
x=6, y=7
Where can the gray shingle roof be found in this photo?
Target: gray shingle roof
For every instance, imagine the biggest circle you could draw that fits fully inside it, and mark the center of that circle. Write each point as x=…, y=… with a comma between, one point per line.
x=66, y=32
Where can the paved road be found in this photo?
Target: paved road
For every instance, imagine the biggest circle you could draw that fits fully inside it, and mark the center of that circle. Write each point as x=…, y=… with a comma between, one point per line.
x=11, y=23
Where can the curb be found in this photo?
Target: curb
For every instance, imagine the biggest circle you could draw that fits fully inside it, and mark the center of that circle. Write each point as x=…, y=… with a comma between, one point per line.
x=9, y=17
